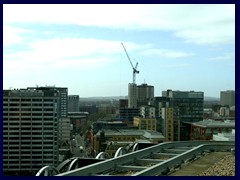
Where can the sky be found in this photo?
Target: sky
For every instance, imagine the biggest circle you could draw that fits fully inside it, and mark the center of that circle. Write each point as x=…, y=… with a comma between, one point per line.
x=180, y=47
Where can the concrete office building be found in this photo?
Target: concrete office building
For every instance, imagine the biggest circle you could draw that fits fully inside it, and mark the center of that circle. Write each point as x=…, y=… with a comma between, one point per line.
x=73, y=103
x=168, y=123
x=187, y=107
x=64, y=131
x=30, y=130
x=144, y=94
x=132, y=95
x=63, y=97
x=227, y=98
x=123, y=103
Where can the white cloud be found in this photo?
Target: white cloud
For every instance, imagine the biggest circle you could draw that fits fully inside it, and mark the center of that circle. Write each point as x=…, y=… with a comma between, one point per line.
x=209, y=24
x=176, y=65
x=71, y=48
x=88, y=63
x=167, y=53
x=223, y=57
x=12, y=35
x=46, y=56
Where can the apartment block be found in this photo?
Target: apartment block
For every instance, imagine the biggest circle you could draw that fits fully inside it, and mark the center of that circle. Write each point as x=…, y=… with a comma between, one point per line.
x=227, y=98
x=30, y=130
x=132, y=95
x=63, y=97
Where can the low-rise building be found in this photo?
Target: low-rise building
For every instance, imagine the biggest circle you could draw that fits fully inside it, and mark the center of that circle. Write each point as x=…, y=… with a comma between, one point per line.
x=102, y=138
x=204, y=130
x=145, y=123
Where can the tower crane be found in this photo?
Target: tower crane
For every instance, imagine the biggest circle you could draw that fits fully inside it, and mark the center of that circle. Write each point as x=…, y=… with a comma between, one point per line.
x=135, y=71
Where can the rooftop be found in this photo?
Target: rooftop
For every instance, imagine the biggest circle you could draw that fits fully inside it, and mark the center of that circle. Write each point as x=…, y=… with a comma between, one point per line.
x=212, y=123
x=148, y=134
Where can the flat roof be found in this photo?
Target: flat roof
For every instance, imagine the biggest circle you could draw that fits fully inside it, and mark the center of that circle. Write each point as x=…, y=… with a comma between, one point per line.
x=212, y=123
x=149, y=134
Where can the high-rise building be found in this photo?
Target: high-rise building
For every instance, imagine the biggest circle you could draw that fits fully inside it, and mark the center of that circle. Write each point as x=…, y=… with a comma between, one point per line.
x=63, y=101
x=73, y=103
x=30, y=130
x=144, y=94
x=168, y=123
x=227, y=98
x=132, y=95
x=188, y=106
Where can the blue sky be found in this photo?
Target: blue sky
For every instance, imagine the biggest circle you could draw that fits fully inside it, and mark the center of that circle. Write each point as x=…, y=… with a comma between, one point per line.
x=178, y=47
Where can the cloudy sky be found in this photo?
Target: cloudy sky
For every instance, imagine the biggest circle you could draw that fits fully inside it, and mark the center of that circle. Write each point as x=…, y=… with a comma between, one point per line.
x=178, y=47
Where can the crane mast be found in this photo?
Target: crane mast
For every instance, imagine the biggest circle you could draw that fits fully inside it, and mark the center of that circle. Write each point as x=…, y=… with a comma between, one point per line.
x=135, y=71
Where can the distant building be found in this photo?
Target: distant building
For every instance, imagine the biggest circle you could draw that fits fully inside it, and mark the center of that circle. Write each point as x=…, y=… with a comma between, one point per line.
x=204, y=130
x=73, y=103
x=227, y=98
x=107, y=109
x=30, y=130
x=224, y=111
x=123, y=103
x=91, y=109
x=128, y=113
x=144, y=94
x=230, y=136
x=208, y=113
x=145, y=123
x=168, y=123
x=232, y=111
x=188, y=107
x=64, y=131
x=132, y=95
x=159, y=103
x=148, y=111
x=164, y=116
x=77, y=120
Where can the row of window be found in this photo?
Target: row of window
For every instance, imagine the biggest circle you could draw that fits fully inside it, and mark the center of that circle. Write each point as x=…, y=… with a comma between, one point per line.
x=27, y=104
x=27, y=99
x=28, y=109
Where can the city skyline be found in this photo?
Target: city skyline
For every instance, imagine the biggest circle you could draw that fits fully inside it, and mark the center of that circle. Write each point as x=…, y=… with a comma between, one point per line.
x=178, y=47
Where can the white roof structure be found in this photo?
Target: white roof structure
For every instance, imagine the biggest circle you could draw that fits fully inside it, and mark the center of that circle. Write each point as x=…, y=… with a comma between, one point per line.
x=224, y=136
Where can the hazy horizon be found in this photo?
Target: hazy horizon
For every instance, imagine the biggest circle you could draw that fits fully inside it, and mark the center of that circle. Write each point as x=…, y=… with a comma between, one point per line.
x=179, y=47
